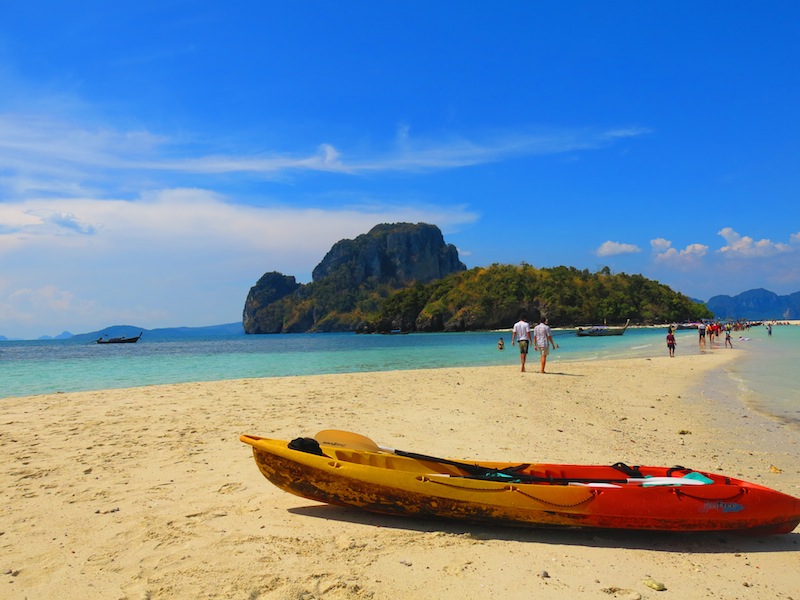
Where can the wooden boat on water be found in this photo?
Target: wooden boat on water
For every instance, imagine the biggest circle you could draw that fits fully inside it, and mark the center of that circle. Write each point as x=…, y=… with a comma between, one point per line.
x=119, y=340
x=601, y=330
x=347, y=469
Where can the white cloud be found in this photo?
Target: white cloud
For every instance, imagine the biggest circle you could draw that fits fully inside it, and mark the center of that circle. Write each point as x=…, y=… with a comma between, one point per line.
x=196, y=220
x=795, y=238
x=660, y=245
x=689, y=256
x=706, y=273
x=178, y=256
x=747, y=247
x=25, y=307
x=612, y=248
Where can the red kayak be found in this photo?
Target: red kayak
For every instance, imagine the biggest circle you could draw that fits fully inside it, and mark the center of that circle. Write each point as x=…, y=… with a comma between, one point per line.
x=343, y=468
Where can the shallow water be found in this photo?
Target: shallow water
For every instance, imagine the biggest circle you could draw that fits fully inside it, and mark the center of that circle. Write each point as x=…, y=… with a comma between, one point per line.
x=766, y=376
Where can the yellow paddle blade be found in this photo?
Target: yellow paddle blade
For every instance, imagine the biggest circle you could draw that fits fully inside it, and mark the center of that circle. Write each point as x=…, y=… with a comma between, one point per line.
x=346, y=439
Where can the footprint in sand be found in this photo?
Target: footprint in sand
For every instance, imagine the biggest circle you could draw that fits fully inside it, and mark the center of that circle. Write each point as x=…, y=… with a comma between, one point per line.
x=230, y=487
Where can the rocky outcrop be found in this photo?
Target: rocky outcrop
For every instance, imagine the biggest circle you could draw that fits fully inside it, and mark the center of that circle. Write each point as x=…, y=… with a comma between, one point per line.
x=401, y=252
x=350, y=282
x=272, y=287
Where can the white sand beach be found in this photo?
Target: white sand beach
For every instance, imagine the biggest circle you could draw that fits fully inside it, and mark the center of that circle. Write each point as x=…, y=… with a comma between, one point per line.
x=147, y=493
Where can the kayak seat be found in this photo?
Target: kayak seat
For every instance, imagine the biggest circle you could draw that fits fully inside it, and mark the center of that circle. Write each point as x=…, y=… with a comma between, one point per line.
x=629, y=471
x=308, y=445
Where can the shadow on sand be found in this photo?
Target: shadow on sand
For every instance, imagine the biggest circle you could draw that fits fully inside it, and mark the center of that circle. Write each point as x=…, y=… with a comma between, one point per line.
x=699, y=542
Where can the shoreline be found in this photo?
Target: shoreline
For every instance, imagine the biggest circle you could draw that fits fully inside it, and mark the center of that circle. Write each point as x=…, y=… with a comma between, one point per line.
x=34, y=372
x=147, y=493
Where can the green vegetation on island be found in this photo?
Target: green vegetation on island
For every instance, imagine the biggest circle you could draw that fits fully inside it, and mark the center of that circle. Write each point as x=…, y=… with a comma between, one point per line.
x=403, y=277
x=492, y=298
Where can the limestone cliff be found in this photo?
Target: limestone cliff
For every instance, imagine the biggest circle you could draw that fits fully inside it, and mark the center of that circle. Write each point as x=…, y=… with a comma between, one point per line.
x=349, y=283
x=272, y=286
x=401, y=252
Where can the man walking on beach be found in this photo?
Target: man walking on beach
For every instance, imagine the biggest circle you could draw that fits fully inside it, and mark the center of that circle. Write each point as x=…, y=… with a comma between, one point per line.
x=522, y=334
x=543, y=339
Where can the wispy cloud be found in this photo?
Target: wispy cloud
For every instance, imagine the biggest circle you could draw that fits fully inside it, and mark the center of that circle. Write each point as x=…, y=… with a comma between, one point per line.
x=747, y=247
x=58, y=142
x=70, y=222
x=326, y=159
x=613, y=248
x=43, y=154
x=423, y=153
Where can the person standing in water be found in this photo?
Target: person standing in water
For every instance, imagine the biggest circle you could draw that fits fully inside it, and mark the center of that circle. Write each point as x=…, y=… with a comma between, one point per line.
x=728, y=342
x=671, y=342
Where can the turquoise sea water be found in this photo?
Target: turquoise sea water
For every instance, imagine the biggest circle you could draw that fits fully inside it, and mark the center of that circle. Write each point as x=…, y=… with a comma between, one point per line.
x=766, y=376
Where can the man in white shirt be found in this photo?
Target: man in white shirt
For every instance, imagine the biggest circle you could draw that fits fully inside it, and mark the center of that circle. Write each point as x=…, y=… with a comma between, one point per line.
x=543, y=339
x=522, y=334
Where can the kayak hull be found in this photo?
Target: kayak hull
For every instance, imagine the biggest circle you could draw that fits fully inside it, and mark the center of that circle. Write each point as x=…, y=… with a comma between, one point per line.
x=385, y=483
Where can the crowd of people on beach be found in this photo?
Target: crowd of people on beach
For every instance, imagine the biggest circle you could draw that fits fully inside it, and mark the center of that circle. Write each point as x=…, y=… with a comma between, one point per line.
x=711, y=331
x=708, y=332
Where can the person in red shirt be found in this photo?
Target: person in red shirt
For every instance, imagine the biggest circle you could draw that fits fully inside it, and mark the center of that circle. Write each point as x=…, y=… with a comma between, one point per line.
x=671, y=342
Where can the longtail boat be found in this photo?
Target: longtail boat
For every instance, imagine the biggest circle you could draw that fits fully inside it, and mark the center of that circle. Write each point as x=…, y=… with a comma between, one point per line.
x=119, y=340
x=601, y=330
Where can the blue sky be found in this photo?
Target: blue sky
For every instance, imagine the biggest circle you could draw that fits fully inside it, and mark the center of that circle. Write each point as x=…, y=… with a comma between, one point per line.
x=156, y=158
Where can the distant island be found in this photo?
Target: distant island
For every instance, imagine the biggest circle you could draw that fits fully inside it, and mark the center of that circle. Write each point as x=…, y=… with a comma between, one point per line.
x=165, y=333
x=64, y=335
x=758, y=304
x=403, y=277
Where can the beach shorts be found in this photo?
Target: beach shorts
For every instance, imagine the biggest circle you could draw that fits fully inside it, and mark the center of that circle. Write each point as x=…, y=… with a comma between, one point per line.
x=523, y=346
x=545, y=350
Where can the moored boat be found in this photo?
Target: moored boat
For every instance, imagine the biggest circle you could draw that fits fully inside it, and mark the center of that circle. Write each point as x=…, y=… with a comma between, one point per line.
x=119, y=340
x=601, y=330
x=347, y=469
